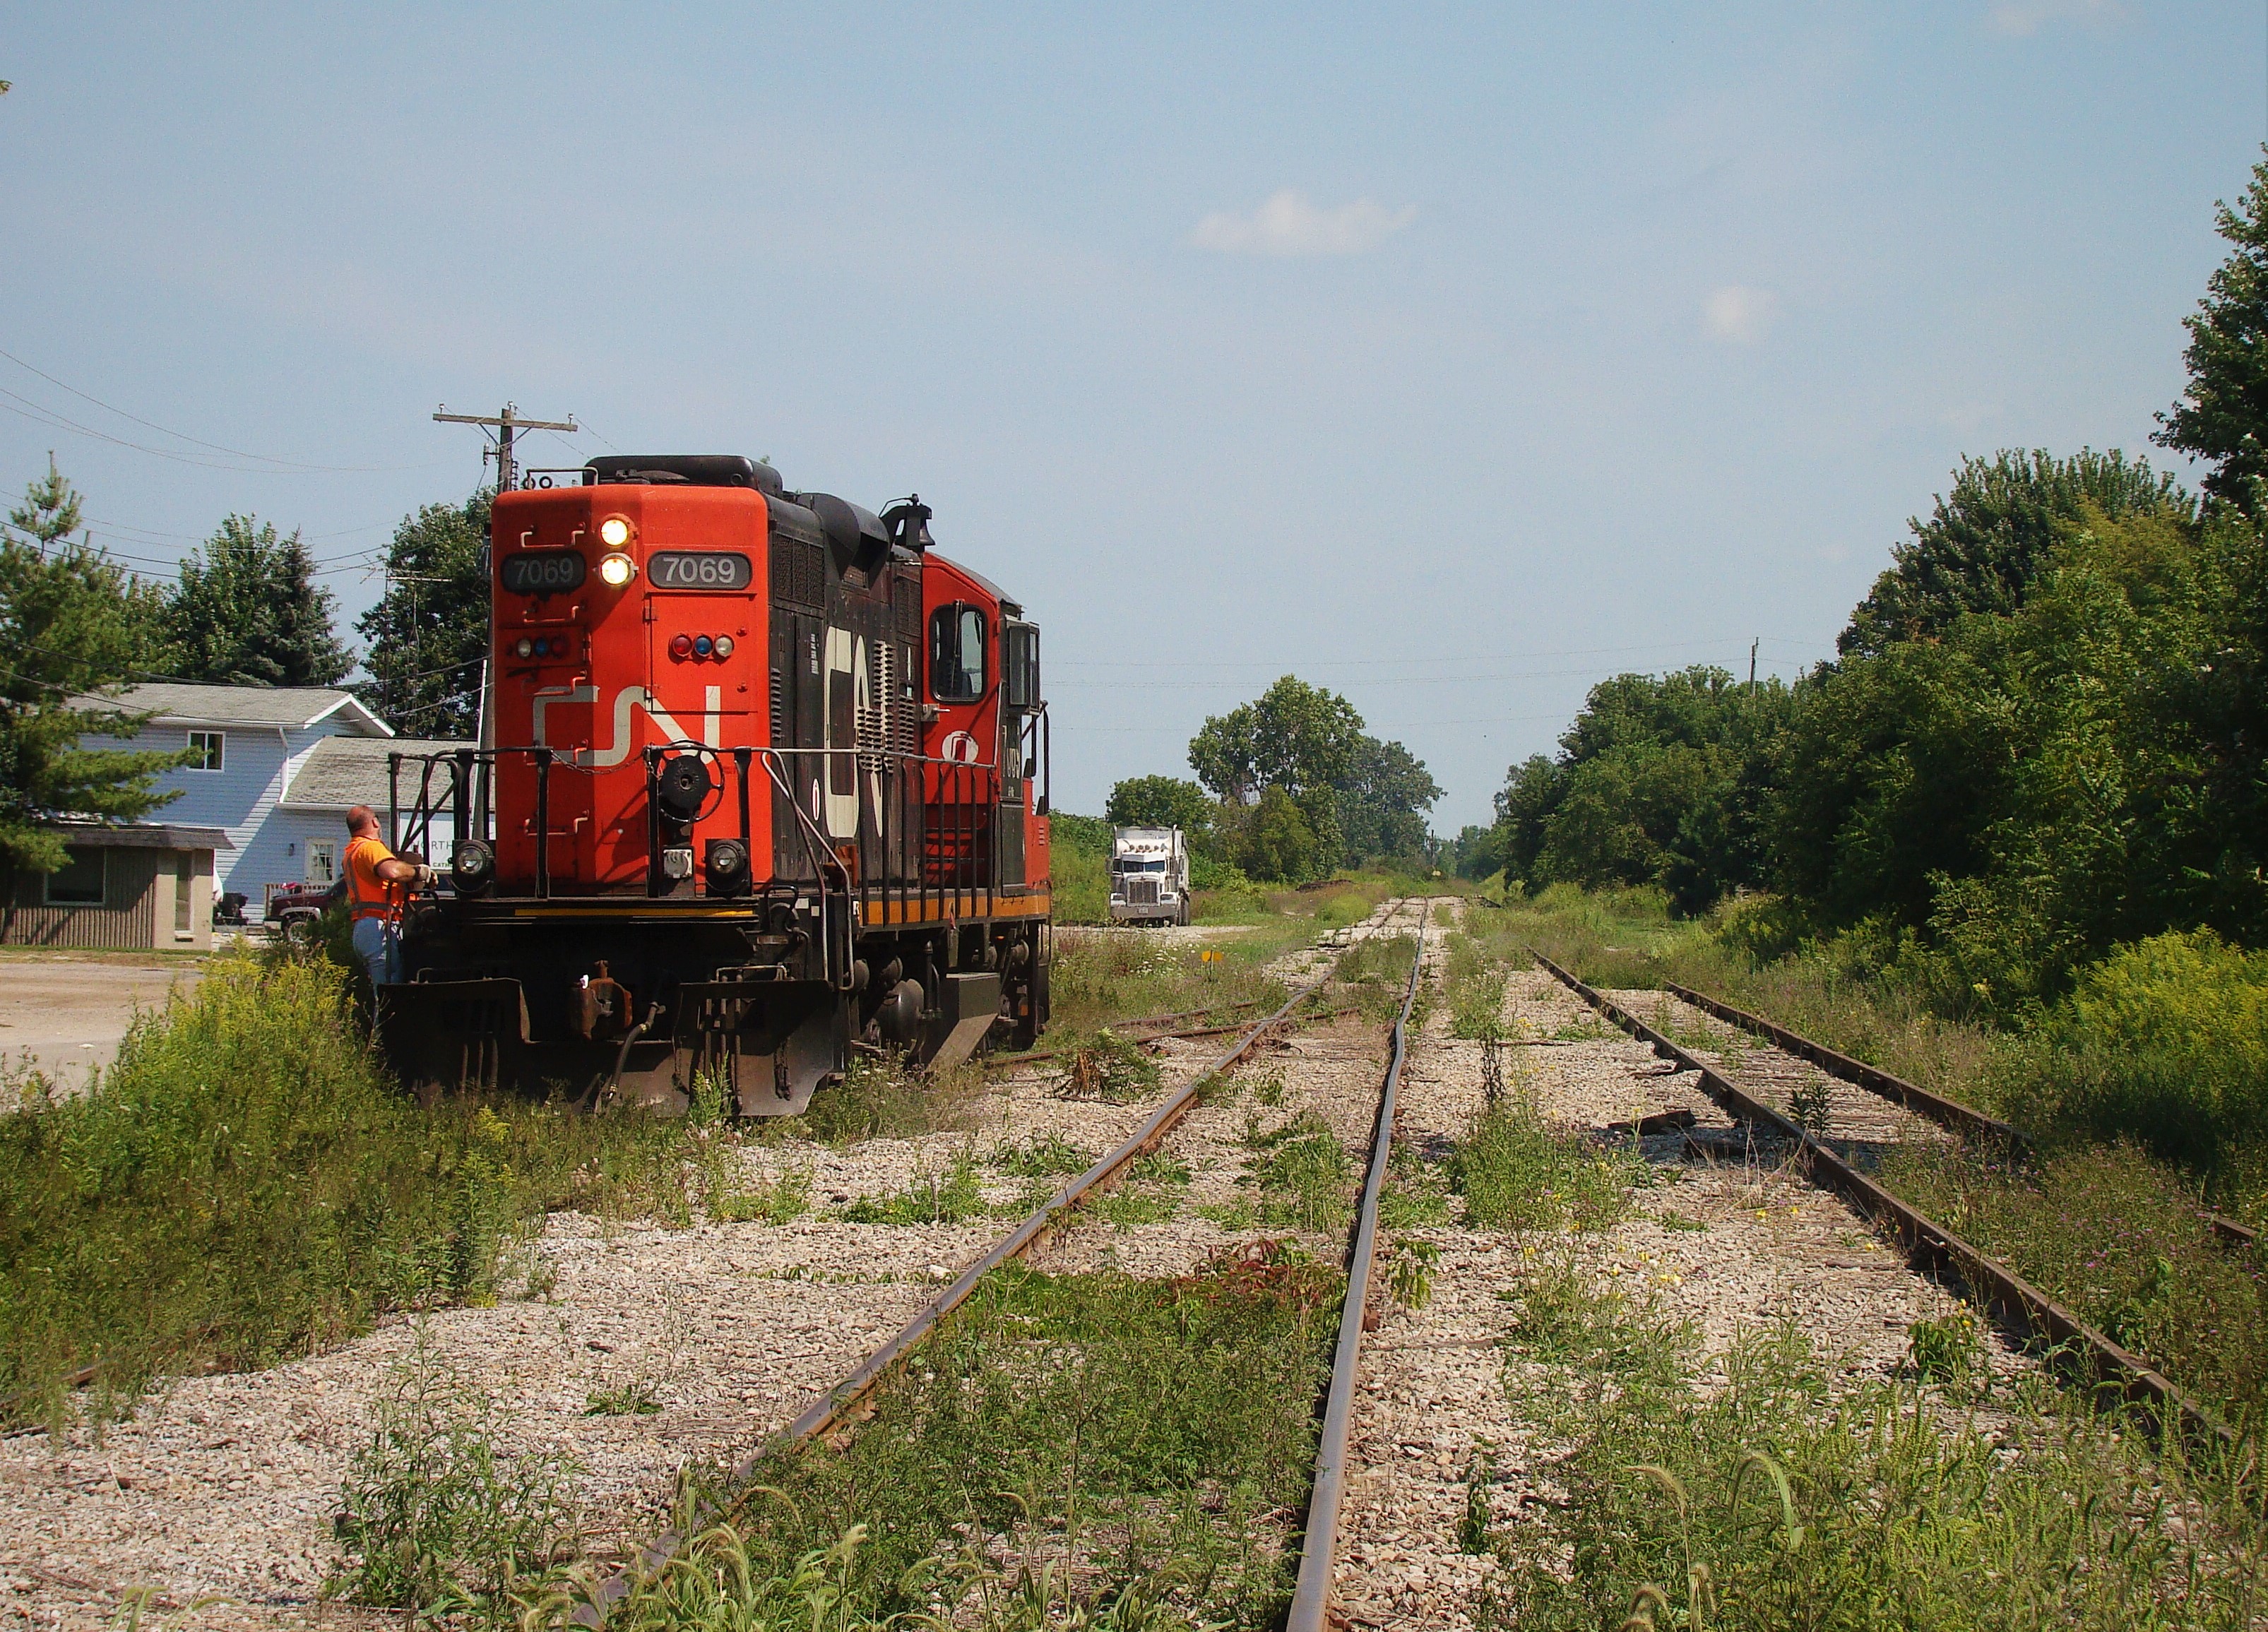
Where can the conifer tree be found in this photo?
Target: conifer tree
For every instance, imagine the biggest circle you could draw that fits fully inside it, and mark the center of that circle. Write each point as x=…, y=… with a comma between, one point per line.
x=73, y=626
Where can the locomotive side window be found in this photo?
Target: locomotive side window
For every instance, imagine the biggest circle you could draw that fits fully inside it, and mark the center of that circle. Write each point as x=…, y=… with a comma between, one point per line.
x=699, y=569
x=543, y=572
x=1019, y=665
x=956, y=653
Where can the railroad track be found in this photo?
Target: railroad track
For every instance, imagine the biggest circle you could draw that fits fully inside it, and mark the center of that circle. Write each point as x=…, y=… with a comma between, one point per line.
x=837, y=1412
x=2071, y=1342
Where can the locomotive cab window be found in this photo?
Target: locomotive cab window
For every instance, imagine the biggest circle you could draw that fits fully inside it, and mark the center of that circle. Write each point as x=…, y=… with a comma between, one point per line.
x=1019, y=665
x=956, y=653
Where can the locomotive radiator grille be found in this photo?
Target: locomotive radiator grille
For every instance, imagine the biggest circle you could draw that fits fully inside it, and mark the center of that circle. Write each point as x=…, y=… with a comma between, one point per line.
x=886, y=726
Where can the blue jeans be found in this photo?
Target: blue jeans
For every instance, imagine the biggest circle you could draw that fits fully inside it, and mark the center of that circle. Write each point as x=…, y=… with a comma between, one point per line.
x=379, y=944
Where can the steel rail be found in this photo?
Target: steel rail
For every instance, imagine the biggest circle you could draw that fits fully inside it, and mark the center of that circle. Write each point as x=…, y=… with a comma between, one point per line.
x=1931, y=1244
x=1946, y=1113
x=1319, y=1537
x=841, y=1402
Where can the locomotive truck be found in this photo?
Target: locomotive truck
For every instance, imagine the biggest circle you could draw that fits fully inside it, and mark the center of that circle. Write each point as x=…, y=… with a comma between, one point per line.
x=763, y=788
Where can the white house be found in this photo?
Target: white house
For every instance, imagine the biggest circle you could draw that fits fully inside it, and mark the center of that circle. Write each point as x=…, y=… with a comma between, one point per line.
x=277, y=769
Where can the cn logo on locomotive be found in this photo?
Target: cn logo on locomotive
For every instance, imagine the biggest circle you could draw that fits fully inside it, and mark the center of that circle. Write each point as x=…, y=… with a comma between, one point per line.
x=628, y=697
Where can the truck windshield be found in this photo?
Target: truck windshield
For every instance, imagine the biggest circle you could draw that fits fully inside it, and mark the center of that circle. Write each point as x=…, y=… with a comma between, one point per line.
x=1135, y=864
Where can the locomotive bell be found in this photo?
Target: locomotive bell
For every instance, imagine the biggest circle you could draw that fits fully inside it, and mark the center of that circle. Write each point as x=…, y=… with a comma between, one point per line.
x=683, y=785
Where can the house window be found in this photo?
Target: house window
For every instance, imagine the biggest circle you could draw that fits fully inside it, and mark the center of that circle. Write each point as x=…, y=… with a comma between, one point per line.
x=205, y=750
x=82, y=880
x=323, y=868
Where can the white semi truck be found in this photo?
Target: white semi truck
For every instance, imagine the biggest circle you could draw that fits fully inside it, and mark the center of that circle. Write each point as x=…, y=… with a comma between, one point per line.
x=1149, y=876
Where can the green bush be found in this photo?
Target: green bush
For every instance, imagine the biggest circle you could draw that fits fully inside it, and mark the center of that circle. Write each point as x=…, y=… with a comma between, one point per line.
x=2166, y=1041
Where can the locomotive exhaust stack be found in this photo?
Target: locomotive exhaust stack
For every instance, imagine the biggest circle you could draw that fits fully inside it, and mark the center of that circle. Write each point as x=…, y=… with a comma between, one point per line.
x=749, y=745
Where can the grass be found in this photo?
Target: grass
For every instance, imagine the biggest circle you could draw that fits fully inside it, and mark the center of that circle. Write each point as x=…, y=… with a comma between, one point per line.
x=2099, y=1229
x=244, y=1187
x=1064, y=1451
x=1100, y=980
x=1764, y=1493
x=1378, y=967
x=780, y=1199
x=1108, y=1068
x=2109, y=1228
x=1303, y=1174
x=1474, y=982
x=1040, y=1156
x=1517, y=1173
x=438, y=1521
x=953, y=1196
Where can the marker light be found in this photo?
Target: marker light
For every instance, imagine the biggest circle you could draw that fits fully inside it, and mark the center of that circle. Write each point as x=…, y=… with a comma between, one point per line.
x=702, y=645
x=616, y=570
x=525, y=649
x=724, y=645
x=616, y=532
x=681, y=645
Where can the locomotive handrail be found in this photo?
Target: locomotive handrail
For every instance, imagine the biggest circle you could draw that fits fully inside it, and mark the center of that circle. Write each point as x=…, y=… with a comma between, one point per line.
x=822, y=855
x=949, y=853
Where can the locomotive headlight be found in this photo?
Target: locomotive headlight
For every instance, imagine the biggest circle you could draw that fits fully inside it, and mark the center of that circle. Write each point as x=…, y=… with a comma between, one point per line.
x=616, y=532
x=616, y=570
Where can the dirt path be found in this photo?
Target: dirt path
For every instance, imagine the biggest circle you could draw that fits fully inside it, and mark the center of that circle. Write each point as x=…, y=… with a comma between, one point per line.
x=65, y=1016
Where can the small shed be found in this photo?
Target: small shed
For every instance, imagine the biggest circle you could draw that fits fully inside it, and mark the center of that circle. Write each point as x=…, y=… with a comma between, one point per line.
x=139, y=887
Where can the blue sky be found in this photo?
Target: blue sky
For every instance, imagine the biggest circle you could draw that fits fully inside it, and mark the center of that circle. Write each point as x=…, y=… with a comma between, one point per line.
x=1454, y=358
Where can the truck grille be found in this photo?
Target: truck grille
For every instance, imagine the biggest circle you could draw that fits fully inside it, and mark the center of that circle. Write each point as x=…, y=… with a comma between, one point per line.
x=1141, y=892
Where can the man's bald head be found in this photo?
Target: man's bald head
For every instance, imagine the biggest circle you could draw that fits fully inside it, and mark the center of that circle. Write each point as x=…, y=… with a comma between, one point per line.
x=362, y=821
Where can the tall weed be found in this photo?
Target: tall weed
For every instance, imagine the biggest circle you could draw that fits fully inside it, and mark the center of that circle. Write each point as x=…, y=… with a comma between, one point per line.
x=244, y=1186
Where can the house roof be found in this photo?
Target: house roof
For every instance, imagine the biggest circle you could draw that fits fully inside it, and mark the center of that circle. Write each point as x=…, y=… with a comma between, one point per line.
x=179, y=702
x=339, y=772
x=143, y=835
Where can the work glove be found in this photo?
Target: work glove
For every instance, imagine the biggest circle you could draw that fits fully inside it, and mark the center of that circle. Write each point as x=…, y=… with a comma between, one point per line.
x=426, y=878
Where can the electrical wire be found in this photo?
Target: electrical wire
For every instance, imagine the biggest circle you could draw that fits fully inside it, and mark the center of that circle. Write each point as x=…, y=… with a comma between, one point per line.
x=278, y=463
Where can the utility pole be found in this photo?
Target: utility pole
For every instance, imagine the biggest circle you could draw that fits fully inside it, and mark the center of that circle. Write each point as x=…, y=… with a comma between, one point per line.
x=503, y=424
x=1752, y=661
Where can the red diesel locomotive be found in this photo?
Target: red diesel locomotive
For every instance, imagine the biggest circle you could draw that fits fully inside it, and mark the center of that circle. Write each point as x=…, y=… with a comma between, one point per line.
x=763, y=785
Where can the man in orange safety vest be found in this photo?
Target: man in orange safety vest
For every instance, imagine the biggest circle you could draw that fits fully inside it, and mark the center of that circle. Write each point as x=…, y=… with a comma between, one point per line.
x=378, y=890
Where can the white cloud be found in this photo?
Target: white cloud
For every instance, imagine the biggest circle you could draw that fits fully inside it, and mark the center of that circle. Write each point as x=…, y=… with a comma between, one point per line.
x=2023, y=18
x=1289, y=224
x=1739, y=314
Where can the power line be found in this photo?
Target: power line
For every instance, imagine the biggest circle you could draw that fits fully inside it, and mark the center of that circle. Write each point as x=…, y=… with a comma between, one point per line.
x=279, y=463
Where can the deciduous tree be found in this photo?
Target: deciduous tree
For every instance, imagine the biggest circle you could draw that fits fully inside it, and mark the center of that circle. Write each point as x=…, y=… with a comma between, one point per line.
x=430, y=632
x=1995, y=531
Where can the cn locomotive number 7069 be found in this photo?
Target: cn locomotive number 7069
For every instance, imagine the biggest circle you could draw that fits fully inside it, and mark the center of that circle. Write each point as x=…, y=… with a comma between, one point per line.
x=763, y=785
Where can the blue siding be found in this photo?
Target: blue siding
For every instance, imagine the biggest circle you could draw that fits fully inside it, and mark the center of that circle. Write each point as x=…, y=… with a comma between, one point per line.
x=257, y=763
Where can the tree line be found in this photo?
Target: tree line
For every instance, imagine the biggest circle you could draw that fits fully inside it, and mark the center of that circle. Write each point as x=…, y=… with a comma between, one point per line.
x=2041, y=736
x=1289, y=787
x=246, y=610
